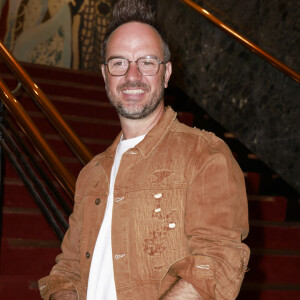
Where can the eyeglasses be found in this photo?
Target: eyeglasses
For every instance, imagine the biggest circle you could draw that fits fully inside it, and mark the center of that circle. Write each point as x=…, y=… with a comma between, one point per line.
x=147, y=65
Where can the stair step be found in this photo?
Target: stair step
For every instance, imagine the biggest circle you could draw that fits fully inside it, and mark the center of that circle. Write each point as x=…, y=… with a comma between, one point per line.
x=274, y=235
x=76, y=91
x=269, y=292
x=79, y=107
x=96, y=146
x=63, y=89
x=249, y=162
x=82, y=126
x=234, y=144
x=14, y=287
x=268, y=208
x=60, y=147
x=33, y=258
x=186, y=118
x=16, y=194
x=80, y=77
x=252, y=181
x=204, y=121
x=273, y=267
x=25, y=223
x=71, y=163
x=38, y=72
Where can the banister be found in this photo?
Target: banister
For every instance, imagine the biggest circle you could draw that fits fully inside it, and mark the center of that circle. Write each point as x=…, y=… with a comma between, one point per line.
x=83, y=154
x=243, y=40
x=31, y=188
x=13, y=136
x=32, y=132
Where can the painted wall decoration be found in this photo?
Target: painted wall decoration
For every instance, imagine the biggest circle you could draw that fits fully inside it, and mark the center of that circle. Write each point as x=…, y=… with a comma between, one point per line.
x=64, y=33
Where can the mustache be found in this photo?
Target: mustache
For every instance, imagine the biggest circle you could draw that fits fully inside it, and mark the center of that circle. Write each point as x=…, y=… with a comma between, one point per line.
x=133, y=84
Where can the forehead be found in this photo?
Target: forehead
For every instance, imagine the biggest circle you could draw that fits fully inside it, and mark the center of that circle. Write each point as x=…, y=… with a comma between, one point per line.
x=134, y=40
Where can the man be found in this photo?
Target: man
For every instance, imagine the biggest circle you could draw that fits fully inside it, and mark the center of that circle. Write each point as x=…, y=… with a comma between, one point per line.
x=161, y=213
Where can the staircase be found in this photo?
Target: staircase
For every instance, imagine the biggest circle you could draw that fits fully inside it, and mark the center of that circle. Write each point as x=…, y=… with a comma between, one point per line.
x=29, y=247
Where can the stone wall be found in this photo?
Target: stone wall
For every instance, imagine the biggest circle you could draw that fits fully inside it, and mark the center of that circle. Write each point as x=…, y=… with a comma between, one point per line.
x=247, y=95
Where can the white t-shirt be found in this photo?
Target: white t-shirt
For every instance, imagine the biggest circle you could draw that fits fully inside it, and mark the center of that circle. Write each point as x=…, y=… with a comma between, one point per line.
x=101, y=284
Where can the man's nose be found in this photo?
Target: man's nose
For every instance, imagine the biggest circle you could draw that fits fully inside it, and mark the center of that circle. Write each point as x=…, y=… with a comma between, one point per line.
x=133, y=73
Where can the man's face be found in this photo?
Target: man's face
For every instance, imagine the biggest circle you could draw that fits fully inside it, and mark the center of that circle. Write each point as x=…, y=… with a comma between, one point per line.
x=134, y=95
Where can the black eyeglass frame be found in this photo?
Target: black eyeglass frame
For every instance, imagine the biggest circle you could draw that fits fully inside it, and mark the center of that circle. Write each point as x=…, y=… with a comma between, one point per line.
x=130, y=61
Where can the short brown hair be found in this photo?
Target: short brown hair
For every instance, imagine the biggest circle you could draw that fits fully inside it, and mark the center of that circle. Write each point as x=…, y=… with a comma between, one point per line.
x=126, y=11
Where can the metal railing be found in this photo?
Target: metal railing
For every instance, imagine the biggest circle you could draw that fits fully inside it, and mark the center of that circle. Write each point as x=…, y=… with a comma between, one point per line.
x=25, y=122
x=49, y=110
x=43, y=190
x=243, y=40
x=35, y=186
x=65, y=178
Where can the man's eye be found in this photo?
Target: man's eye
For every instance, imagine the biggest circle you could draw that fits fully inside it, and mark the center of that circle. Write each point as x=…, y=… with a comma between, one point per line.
x=147, y=63
x=119, y=63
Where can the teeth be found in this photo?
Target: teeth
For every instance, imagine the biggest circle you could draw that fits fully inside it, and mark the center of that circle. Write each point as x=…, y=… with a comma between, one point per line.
x=133, y=92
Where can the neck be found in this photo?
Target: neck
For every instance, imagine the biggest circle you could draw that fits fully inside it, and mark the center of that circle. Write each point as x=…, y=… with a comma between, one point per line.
x=133, y=128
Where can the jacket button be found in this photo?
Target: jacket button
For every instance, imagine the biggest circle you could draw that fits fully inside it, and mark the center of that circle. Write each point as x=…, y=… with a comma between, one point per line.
x=88, y=255
x=97, y=201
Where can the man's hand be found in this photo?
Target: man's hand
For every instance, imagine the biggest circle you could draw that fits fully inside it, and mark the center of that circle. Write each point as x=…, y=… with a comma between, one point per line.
x=182, y=290
x=64, y=295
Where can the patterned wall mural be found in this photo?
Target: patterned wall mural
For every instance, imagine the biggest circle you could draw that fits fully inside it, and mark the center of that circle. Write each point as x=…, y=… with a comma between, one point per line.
x=65, y=33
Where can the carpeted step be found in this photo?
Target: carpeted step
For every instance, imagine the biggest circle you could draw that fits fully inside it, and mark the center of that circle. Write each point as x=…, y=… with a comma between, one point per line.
x=252, y=181
x=72, y=90
x=14, y=287
x=38, y=72
x=274, y=267
x=234, y=144
x=63, y=88
x=204, y=121
x=79, y=77
x=70, y=161
x=60, y=147
x=30, y=224
x=82, y=126
x=186, y=118
x=16, y=195
x=251, y=163
x=76, y=106
x=58, y=81
x=274, y=235
x=268, y=208
x=33, y=258
x=95, y=145
x=269, y=292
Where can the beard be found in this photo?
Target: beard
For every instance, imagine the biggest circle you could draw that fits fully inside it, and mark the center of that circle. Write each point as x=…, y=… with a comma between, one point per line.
x=136, y=111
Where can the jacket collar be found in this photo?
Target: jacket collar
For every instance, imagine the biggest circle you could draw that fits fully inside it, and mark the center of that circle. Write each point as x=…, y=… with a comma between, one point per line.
x=152, y=138
x=155, y=135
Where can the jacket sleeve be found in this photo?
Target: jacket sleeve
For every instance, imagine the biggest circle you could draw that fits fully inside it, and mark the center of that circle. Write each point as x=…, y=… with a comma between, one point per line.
x=215, y=223
x=65, y=275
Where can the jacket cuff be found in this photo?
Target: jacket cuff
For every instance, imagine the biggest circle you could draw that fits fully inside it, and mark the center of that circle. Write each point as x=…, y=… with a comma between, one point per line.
x=211, y=277
x=198, y=271
x=54, y=283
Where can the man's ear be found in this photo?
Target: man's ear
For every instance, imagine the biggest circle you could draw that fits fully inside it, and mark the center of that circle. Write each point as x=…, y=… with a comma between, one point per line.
x=168, y=73
x=103, y=72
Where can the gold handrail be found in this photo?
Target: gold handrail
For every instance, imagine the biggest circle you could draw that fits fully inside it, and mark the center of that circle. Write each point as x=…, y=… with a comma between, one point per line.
x=243, y=40
x=80, y=150
x=28, y=127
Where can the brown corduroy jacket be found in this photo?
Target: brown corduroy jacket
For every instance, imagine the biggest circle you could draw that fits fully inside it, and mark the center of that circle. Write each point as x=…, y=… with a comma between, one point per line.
x=180, y=210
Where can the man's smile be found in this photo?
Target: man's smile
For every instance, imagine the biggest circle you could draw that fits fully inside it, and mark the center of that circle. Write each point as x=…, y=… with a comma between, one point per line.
x=133, y=92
